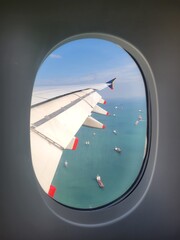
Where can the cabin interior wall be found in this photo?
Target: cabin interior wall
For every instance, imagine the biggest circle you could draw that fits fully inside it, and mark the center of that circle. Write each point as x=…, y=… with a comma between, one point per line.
x=28, y=32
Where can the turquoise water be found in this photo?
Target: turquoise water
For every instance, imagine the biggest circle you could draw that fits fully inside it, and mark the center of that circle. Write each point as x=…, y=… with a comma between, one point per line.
x=76, y=184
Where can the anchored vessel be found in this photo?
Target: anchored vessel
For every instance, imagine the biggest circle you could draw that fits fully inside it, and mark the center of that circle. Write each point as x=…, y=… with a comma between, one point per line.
x=115, y=132
x=117, y=149
x=99, y=181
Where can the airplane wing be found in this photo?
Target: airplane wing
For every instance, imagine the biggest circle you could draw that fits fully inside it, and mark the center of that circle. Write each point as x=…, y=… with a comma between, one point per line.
x=56, y=116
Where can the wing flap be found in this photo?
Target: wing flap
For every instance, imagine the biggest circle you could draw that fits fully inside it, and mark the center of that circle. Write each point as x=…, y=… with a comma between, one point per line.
x=45, y=159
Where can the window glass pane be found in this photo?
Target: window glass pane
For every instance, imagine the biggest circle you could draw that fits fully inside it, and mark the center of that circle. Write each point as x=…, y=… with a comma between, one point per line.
x=107, y=160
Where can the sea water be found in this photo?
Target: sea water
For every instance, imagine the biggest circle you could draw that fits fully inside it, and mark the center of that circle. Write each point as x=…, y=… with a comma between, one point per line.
x=76, y=182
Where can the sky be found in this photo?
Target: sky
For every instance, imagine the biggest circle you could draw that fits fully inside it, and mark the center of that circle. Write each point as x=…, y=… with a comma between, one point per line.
x=92, y=60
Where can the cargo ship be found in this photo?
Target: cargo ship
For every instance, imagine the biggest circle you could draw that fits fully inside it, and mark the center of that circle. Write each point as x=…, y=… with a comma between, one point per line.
x=99, y=181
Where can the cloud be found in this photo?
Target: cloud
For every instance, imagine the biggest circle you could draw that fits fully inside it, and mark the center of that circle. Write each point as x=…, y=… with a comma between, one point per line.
x=55, y=56
x=125, y=74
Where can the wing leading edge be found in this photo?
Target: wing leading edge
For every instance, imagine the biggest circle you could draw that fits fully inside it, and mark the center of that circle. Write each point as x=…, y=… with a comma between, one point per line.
x=55, y=120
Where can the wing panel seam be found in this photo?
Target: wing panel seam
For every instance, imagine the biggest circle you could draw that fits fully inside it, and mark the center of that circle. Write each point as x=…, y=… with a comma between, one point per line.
x=61, y=110
x=47, y=139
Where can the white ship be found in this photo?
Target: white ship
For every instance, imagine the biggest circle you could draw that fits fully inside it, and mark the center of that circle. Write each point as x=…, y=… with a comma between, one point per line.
x=99, y=181
x=117, y=149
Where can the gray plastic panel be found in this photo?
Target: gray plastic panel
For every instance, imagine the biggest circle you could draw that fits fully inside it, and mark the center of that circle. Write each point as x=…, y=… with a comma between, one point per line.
x=28, y=33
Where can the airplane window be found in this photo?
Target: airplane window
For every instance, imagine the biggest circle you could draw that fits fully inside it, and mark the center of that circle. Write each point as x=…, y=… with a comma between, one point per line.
x=89, y=123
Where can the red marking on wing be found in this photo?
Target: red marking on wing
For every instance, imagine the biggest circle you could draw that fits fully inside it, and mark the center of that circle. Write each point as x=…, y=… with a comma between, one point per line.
x=52, y=191
x=75, y=143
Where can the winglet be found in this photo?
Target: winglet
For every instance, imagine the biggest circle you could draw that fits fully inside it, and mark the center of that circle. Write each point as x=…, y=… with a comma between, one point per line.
x=111, y=83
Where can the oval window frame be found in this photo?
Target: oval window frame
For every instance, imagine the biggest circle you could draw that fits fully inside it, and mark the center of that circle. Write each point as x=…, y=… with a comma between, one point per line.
x=134, y=196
